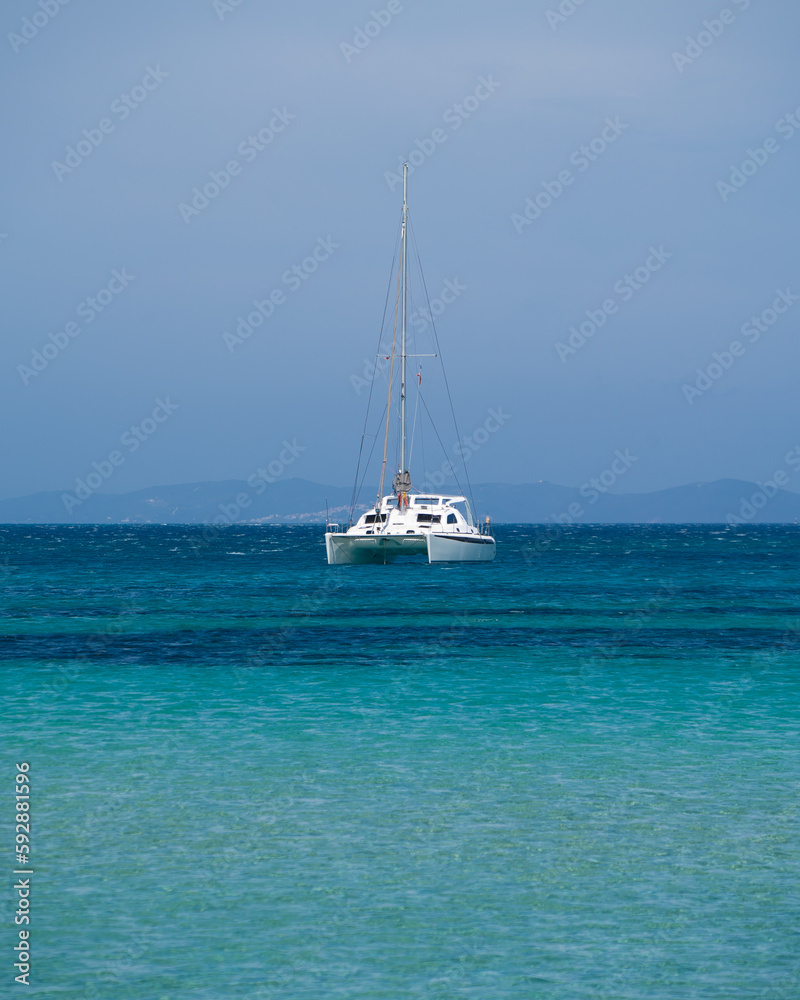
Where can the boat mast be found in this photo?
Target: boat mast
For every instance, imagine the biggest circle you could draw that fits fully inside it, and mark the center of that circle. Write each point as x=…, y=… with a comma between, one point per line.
x=404, y=303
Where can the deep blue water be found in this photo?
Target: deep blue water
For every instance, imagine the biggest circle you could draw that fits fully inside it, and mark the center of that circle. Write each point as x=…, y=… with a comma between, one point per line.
x=571, y=773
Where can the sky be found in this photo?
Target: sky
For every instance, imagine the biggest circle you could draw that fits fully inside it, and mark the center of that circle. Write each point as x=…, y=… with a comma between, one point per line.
x=606, y=192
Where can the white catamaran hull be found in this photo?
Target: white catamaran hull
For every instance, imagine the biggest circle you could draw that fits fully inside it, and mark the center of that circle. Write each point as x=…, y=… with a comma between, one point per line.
x=346, y=549
x=460, y=548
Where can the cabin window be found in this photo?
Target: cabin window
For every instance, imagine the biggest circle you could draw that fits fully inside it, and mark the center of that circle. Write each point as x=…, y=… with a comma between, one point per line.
x=429, y=518
x=428, y=500
x=451, y=519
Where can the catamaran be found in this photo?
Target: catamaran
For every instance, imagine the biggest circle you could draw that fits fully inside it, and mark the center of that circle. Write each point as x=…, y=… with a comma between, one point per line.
x=437, y=525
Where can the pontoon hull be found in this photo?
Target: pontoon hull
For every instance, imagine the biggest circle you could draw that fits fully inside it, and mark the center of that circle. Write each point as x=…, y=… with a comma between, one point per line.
x=344, y=549
x=461, y=548
x=363, y=549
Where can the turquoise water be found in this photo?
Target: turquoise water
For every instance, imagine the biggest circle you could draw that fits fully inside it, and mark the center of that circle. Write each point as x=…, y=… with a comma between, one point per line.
x=571, y=773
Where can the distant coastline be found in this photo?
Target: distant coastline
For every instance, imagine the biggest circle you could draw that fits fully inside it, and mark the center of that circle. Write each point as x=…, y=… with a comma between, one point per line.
x=299, y=501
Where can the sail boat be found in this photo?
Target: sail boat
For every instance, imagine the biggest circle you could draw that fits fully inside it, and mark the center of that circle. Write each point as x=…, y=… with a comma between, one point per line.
x=438, y=525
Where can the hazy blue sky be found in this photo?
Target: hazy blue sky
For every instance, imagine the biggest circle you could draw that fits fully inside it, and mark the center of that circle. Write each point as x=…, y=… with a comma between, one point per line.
x=202, y=77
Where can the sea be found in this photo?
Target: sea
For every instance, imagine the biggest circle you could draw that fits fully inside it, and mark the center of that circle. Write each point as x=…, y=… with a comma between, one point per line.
x=571, y=773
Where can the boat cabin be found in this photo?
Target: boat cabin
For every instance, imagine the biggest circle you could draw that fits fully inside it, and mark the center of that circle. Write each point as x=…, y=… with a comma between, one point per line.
x=417, y=513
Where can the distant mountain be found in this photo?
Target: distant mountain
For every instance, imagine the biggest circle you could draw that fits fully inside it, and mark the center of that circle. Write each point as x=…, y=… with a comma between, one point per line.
x=695, y=503
x=285, y=501
x=293, y=501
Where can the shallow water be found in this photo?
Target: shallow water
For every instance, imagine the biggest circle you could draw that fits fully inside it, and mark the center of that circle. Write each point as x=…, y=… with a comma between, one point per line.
x=570, y=773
